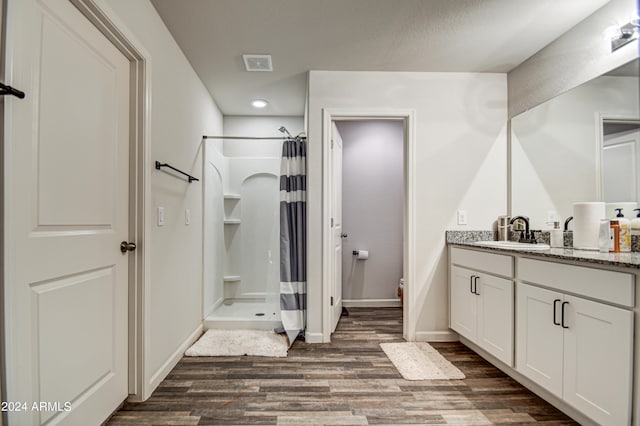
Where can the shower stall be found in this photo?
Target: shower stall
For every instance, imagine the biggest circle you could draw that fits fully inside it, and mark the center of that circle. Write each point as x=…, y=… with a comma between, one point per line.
x=241, y=225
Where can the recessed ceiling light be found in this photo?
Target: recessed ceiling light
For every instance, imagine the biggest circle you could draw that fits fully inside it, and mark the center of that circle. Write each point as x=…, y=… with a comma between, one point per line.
x=259, y=103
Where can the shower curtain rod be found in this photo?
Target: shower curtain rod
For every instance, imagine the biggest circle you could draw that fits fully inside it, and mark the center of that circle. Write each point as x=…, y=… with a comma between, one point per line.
x=250, y=137
x=282, y=129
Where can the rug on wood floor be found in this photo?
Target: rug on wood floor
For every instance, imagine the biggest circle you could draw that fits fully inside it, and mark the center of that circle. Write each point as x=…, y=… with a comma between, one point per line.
x=420, y=361
x=239, y=342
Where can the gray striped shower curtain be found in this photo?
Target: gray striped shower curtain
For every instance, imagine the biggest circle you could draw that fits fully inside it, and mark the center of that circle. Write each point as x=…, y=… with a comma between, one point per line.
x=293, y=238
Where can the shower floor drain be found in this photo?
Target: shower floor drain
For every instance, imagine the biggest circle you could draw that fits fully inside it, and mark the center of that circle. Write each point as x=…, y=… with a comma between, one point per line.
x=260, y=314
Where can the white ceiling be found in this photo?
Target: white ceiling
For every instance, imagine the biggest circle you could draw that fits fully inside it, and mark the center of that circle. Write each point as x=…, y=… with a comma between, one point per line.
x=355, y=35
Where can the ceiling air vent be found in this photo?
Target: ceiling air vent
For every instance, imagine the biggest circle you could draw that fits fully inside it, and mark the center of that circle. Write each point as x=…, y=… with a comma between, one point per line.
x=258, y=62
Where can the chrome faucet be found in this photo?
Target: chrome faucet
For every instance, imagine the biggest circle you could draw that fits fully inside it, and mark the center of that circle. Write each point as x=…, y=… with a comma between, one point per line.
x=528, y=236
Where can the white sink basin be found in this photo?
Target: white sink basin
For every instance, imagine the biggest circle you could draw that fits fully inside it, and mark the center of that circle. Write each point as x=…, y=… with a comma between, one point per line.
x=512, y=245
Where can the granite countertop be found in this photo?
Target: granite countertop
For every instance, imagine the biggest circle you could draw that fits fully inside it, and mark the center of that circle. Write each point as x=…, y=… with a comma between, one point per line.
x=467, y=239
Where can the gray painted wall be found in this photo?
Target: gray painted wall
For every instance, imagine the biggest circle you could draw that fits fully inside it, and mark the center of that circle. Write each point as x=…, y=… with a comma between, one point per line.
x=177, y=121
x=372, y=203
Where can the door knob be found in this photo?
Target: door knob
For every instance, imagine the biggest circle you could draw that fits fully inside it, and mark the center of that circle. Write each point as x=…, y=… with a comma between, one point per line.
x=126, y=246
x=343, y=235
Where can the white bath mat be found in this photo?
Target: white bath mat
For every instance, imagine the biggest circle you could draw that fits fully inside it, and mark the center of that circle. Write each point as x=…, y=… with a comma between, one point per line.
x=239, y=342
x=420, y=361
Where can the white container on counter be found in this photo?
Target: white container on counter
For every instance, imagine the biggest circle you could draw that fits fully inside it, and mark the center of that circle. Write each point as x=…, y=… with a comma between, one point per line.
x=556, y=236
x=586, y=224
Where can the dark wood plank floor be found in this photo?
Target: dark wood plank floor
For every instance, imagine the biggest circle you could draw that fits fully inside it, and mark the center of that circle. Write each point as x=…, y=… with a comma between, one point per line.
x=347, y=382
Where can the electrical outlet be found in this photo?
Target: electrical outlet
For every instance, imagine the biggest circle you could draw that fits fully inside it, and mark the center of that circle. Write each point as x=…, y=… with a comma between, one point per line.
x=462, y=217
x=187, y=216
x=160, y=216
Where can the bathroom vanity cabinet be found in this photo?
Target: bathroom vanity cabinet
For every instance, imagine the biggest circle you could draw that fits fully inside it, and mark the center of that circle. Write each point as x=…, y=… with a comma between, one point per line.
x=574, y=336
x=481, y=295
x=567, y=328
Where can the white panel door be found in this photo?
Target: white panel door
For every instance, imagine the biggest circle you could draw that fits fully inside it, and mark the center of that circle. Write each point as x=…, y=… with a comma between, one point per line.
x=495, y=317
x=463, y=302
x=620, y=171
x=66, y=183
x=336, y=214
x=598, y=360
x=539, y=339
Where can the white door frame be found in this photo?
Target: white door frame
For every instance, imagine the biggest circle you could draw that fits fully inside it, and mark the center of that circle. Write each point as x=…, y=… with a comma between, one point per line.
x=103, y=17
x=409, y=258
x=106, y=21
x=600, y=120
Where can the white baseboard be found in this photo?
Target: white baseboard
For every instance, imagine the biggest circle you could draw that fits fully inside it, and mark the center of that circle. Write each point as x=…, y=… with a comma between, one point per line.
x=171, y=362
x=371, y=303
x=313, y=337
x=436, y=336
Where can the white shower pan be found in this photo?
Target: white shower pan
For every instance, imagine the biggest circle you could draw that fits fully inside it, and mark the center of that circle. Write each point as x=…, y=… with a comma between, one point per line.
x=262, y=313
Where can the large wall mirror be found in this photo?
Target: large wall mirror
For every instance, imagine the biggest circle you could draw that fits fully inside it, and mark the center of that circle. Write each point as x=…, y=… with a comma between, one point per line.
x=583, y=145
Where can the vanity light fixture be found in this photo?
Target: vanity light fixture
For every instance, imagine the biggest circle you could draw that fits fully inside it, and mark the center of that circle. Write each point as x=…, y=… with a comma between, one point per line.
x=625, y=34
x=259, y=103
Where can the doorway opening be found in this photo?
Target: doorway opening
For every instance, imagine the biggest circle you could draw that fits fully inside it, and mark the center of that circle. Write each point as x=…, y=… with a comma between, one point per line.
x=620, y=161
x=368, y=214
x=372, y=193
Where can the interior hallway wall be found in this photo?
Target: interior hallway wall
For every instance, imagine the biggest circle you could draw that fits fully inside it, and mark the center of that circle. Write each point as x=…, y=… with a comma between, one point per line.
x=372, y=210
x=460, y=163
x=178, y=119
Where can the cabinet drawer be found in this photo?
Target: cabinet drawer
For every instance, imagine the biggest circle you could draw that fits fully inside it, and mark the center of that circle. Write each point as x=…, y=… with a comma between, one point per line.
x=608, y=286
x=497, y=264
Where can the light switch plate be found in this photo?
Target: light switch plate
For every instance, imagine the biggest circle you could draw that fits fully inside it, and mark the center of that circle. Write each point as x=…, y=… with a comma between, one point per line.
x=160, y=216
x=187, y=216
x=462, y=217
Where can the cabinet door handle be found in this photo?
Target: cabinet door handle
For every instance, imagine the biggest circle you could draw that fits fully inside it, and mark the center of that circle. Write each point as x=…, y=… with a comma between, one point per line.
x=555, y=312
x=471, y=283
x=475, y=288
x=562, y=317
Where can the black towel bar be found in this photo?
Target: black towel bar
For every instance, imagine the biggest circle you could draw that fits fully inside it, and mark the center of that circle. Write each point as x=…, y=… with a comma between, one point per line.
x=8, y=90
x=159, y=165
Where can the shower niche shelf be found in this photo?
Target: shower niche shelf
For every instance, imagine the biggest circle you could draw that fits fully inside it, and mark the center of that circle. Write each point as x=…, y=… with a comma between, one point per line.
x=231, y=278
x=231, y=209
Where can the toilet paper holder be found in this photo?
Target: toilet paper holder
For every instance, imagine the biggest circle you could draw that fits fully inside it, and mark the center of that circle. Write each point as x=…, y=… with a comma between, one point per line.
x=361, y=254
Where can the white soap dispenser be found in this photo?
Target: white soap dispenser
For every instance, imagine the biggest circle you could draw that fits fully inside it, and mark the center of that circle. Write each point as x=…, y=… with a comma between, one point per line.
x=557, y=235
x=625, y=232
x=635, y=223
